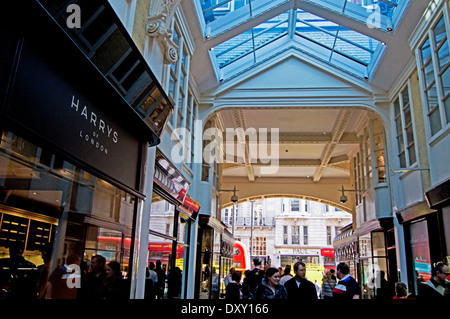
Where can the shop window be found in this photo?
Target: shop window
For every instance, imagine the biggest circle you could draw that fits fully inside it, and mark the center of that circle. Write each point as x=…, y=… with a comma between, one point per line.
x=39, y=188
x=420, y=251
x=166, y=248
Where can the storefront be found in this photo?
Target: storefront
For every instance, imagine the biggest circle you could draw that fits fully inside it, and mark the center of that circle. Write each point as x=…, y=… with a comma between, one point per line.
x=370, y=253
x=71, y=153
x=171, y=215
x=426, y=225
x=346, y=249
x=215, y=258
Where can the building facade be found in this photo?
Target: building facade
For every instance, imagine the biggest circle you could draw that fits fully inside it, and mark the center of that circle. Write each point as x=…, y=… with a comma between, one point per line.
x=285, y=230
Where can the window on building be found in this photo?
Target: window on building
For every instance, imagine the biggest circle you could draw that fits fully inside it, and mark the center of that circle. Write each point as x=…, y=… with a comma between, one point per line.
x=180, y=91
x=305, y=235
x=295, y=235
x=379, y=152
x=434, y=61
x=329, y=235
x=367, y=158
x=404, y=126
x=285, y=235
x=295, y=205
x=259, y=246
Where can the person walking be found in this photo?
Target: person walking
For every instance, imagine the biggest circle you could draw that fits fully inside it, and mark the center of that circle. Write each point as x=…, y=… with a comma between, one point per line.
x=434, y=288
x=91, y=283
x=328, y=285
x=228, y=278
x=253, y=279
x=233, y=288
x=347, y=287
x=300, y=288
x=270, y=287
x=113, y=285
x=286, y=275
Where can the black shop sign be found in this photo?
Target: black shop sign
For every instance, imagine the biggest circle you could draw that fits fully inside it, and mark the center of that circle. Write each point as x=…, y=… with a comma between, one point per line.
x=58, y=95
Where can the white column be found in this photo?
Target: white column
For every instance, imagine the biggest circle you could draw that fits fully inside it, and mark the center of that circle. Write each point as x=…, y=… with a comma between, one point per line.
x=142, y=230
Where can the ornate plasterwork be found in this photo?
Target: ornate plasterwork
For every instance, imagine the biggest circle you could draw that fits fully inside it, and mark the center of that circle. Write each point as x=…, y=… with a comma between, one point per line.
x=158, y=26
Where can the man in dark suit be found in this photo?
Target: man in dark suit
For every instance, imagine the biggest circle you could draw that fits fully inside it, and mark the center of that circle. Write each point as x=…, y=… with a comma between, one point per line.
x=300, y=288
x=434, y=289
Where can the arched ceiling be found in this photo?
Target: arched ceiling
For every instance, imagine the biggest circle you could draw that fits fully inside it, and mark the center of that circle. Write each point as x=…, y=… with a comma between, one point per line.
x=315, y=93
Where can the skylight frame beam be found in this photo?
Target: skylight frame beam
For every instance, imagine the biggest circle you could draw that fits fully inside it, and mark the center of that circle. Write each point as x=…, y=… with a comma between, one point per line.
x=335, y=35
x=333, y=50
x=216, y=6
x=257, y=48
x=254, y=36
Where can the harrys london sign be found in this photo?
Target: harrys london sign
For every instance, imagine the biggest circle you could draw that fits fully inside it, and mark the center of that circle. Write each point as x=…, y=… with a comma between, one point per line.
x=59, y=96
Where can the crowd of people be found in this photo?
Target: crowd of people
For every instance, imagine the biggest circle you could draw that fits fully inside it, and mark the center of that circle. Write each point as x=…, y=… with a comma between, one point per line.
x=94, y=279
x=276, y=283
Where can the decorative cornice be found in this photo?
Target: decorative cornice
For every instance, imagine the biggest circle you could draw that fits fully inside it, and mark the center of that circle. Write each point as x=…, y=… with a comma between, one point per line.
x=158, y=26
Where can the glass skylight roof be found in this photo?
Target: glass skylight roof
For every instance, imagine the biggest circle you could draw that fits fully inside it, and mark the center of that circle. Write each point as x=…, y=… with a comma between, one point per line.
x=305, y=32
x=378, y=13
x=313, y=35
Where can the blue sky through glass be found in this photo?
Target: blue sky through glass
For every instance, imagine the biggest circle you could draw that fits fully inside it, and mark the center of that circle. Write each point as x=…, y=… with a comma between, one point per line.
x=320, y=38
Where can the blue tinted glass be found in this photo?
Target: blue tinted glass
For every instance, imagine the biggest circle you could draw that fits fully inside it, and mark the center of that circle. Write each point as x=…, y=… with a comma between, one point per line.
x=245, y=43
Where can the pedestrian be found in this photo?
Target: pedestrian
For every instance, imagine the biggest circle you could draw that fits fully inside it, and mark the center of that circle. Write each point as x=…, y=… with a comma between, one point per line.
x=113, y=286
x=253, y=279
x=401, y=292
x=174, y=283
x=233, y=289
x=328, y=285
x=161, y=284
x=333, y=276
x=270, y=287
x=434, y=288
x=91, y=283
x=300, y=288
x=228, y=278
x=383, y=291
x=347, y=287
x=64, y=282
x=286, y=275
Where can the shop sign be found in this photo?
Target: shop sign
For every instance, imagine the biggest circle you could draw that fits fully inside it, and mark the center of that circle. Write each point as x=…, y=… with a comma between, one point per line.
x=327, y=252
x=60, y=97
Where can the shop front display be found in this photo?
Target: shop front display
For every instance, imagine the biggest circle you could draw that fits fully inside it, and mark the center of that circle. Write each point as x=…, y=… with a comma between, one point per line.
x=426, y=226
x=215, y=258
x=171, y=215
x=54, y=212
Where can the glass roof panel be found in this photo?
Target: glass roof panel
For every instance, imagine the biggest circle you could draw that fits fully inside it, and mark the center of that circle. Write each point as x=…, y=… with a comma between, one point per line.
x=336, y=39
x=376, y=13
x=251, y=40
x=319, y=38
x=215, y=9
